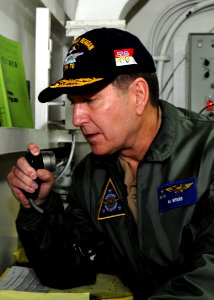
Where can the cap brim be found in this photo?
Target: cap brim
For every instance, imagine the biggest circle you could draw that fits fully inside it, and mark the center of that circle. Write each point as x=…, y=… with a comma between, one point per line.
x=78, y=86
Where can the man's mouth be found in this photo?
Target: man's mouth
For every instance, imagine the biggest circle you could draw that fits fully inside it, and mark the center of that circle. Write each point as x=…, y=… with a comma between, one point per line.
x=91, y=137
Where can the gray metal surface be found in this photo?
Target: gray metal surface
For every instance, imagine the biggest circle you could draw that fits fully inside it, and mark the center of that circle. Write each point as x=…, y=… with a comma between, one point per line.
x=16, y=139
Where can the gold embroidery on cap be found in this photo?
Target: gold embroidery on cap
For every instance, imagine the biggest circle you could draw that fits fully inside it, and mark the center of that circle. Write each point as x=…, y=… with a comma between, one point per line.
x=74, y=82
x=85, y=42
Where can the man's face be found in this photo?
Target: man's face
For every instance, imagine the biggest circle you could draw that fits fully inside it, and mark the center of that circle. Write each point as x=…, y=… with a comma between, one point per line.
x=106, y=119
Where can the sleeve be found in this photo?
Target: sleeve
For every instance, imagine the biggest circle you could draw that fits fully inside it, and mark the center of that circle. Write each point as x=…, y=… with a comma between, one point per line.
x=49, y=243
x=197, y=279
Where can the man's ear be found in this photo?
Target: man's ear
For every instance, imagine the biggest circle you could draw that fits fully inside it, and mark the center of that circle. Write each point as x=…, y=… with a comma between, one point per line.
x=142, y=94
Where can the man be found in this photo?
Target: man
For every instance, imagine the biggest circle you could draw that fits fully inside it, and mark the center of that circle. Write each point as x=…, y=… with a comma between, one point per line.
x=141, y=204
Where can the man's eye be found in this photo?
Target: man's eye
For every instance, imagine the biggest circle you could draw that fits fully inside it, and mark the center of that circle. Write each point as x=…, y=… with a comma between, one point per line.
x=89, y=100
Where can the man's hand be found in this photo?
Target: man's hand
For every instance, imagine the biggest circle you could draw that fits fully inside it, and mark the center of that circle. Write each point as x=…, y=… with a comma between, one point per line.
x=21, y=178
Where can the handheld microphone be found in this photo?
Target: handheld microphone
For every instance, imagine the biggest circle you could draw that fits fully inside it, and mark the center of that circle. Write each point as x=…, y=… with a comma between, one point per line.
x=45, y=160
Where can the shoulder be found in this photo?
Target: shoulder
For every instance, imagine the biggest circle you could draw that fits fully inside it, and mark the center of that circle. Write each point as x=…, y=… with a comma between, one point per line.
x=187, y=121
x=169, y=109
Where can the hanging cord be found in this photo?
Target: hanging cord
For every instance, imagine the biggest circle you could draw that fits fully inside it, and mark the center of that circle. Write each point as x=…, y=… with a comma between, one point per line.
x=69, y=158
x=31, y=200
x=172, y=74
x=36, y=207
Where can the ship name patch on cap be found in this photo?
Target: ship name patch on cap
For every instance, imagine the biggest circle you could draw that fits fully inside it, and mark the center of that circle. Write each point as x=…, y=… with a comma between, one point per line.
x=124, y=57
x=176, y=194
x=111, y=204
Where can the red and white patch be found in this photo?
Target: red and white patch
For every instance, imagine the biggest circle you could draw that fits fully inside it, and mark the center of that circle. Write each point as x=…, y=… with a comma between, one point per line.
x=124, y=57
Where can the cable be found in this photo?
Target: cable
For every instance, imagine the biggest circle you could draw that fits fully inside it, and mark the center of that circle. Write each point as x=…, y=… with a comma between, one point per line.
x=162, y=19
x=204, y=108
x=36, y=207
x=31, y=200
x=172, y=74
x=169, y=93
x=174, y=27
x=69, y=159
x=174, y=70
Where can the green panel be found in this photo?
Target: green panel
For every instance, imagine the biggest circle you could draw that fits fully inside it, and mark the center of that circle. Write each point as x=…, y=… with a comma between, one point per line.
x=15, y=84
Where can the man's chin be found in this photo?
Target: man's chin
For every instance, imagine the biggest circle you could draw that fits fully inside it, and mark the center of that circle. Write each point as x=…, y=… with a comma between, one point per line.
x=99, y=151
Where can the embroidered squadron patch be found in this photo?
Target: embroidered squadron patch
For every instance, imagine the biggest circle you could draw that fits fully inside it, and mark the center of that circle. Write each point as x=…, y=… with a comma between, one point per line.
x=72, y=56
x=178, y=193
x=74, y=52
x=124, y=57
x=111, y=204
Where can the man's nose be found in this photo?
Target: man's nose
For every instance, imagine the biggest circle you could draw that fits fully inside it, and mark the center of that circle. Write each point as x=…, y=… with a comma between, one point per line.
x=79, y=114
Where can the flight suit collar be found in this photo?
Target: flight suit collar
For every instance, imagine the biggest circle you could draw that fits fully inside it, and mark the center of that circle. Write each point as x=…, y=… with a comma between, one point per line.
x=164, y=143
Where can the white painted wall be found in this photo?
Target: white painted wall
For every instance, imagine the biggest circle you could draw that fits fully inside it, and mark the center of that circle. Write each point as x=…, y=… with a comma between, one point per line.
x=101, y=9
x=142, y=25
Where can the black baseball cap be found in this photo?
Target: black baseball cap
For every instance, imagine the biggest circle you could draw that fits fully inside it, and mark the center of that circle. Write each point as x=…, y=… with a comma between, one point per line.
x=95, y=59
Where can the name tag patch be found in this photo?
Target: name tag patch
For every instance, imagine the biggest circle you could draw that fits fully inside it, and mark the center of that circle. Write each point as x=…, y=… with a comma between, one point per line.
x=176, y=194
x=111, y=203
